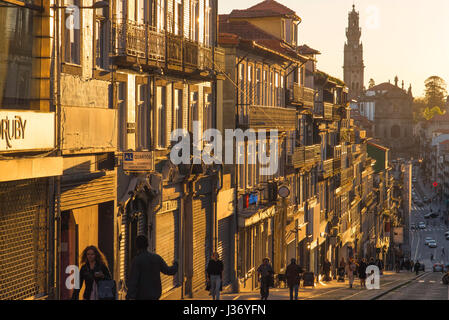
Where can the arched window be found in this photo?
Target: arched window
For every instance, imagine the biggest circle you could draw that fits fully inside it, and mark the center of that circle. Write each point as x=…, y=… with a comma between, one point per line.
x=395, y=132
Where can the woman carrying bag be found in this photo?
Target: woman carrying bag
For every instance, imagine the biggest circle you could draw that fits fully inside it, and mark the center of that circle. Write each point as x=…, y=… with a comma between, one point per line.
x=94, y=273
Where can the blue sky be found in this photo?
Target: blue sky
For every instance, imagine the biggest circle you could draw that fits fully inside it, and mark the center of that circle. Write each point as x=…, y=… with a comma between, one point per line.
x=407, y=38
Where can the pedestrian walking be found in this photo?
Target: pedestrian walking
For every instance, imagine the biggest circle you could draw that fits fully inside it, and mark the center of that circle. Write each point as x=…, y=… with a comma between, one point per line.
x=341, y=270
x=380, y=265
x=265, y=274
x=350, y=271
x=94, y=269
x=215, y=275
x=431, y=257
x=442, y=252
x=293, y=278
x=145, y=275
x=326, y=270
x=371, y=262
x=362, y=272
x=417, y=267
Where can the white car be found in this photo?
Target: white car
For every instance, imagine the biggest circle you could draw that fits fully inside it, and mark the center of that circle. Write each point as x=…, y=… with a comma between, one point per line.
x=432, y=244
x=427, y=240
x=422, y=225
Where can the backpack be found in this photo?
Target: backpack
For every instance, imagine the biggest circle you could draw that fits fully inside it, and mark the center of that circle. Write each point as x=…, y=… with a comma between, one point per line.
x=106, y=290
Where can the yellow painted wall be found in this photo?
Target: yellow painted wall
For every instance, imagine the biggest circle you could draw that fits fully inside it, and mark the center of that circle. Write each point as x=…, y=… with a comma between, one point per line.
x=87, y=221
x=271, y=25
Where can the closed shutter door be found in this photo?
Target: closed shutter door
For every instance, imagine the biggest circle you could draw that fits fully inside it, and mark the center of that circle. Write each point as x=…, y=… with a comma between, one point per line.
x=167, y=244
x=87, y=192
x=24, y=239
x=201, y=240
x=224, y=246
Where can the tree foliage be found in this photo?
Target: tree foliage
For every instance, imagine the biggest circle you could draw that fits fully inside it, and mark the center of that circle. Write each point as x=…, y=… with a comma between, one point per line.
x=429, y=113
x=435, y=92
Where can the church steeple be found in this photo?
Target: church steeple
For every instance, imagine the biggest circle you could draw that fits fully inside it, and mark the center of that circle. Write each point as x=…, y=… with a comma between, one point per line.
x=353, y=61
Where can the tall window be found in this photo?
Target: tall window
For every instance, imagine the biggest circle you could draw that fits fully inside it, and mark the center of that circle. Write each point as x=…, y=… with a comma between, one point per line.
x=208, y=113
x=143, y=117
x=123, y=112
x=195, y=21
x=72, y=40
x=160, y=15
x=251, y=161
x=258, y=86
x=178, y=18
x=276, y=90
x=242, y=83
x=177, y=109
x=208, y=23
x=265, y=87
x=250, y=84
x=194, y=107
x=101, y=39
x=270, y=90
x=161, y=116
x=240, y=154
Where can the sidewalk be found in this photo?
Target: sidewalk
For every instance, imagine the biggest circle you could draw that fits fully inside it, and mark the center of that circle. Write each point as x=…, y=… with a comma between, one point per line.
x=332, y=290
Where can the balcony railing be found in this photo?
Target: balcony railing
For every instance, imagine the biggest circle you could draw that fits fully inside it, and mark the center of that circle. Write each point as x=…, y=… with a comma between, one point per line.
x=263, y=117
x=312, y=154
x=174, y=49
x=300, y=95
x=347, y=175
x=191, y=54
x=328, y=168
x=153, y=47
x=323, y=110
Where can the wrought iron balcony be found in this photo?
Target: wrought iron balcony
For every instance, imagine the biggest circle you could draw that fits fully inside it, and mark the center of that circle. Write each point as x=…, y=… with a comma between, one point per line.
x=328, y=168
x=263, y=117
x=191, y=51
x=300, y=95
x=312, y=154
x=133, y=39
x=323, y=110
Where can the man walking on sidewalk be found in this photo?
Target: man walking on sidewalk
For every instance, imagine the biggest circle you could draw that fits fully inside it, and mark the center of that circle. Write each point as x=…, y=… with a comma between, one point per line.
x=145, y=278
x=265, y=272
x=417, y=267
x=293, y=271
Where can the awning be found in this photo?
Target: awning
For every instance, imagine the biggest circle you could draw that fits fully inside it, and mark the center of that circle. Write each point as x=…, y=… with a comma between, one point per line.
x=250, y=216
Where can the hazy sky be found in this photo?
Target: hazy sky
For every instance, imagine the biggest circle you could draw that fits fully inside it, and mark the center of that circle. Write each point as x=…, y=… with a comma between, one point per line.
x=407, y=38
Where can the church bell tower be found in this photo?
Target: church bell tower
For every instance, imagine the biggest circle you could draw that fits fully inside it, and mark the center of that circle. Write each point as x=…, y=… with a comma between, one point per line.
x=353, y=58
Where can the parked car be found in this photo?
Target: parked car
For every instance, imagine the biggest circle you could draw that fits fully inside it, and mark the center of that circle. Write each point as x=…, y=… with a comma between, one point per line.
x=446, y=233
x=433, y=244
x=434, y=214
x=422, y=225
x=427, y=216
x=427, y=240
x=438, y=267
x=413, y=226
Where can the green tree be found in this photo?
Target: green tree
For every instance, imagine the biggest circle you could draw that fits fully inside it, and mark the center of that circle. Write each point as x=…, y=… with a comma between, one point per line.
x=435, y=92
x=429, y=113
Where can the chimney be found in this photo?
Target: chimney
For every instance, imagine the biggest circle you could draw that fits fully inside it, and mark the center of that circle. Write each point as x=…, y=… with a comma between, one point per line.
x=396, y=81
x=402, y=84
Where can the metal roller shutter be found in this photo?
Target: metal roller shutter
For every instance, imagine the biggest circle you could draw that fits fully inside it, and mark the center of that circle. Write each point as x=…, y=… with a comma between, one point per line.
x=201, y=240
x=24, y=229
x=224, y=246
x=86, y=192
x=167, y=244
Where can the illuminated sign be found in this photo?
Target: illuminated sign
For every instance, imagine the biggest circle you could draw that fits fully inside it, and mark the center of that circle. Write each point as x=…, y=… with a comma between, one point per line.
x=26, y=130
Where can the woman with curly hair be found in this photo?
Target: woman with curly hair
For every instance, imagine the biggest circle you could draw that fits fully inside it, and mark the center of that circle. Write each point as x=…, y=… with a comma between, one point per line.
x=94, y=268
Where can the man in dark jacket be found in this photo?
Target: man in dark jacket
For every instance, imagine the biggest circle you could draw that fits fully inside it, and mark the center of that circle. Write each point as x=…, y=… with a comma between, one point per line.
x=293, y=277
x=417, y=267
x=145, y=279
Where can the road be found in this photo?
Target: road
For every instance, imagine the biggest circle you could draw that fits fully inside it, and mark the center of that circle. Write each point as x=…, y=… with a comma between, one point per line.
x=427, y=287
x=435, y=228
